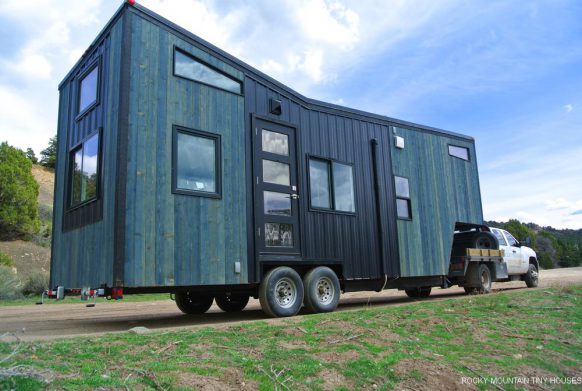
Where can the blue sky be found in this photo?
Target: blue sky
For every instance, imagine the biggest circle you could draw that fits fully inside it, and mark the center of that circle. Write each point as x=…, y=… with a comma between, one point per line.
x=507, y=73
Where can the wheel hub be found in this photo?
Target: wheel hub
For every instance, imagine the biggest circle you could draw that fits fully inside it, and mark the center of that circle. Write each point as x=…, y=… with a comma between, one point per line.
x=286, y=292
x=325, y=290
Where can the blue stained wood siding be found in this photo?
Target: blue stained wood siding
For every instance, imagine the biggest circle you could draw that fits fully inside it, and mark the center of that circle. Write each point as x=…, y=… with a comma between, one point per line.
x=173, y=239
x=443, y=190
x=83, y=256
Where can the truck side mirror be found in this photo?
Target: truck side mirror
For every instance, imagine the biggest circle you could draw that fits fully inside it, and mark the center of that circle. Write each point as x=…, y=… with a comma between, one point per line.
x=527, y=241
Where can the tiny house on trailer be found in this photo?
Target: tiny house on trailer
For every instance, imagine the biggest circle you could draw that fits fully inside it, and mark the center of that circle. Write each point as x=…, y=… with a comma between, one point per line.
x=181, y=169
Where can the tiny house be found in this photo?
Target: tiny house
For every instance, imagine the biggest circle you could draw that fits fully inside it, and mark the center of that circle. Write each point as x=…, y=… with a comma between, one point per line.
x=182, y=169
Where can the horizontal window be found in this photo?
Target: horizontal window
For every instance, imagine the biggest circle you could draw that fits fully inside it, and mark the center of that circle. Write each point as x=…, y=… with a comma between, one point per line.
x=84, y=171
x=460, y=152
x=403, y=207
x=190, y=68
x=331, y=185
x=196, y=159
x=88, y=89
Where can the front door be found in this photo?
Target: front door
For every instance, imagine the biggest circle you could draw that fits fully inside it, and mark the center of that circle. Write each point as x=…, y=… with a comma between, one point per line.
x=275, y=190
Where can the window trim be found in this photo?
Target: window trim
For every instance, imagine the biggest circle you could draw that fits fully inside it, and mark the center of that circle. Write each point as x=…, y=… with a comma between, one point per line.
x=217, y=164
x=69, y=198
x=330, y=163
x=458, y=157
x=205, y=63
x=81, y=113
x=408, y=199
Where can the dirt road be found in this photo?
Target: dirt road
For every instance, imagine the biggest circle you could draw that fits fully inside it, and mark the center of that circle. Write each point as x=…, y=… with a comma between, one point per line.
x=66, y=320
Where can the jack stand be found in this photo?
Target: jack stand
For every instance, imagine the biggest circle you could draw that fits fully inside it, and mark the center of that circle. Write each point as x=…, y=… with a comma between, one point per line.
x=41, y=299
x=94, y=303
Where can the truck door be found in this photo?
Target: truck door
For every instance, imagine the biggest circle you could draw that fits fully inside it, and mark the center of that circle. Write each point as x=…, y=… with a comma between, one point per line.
x=513, y=253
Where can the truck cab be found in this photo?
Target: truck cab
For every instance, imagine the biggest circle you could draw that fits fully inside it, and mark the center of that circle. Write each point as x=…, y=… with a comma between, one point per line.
x=517, y=256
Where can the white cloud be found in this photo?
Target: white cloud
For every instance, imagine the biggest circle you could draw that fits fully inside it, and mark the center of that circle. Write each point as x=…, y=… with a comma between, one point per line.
x=558, y=203
x=568, y=108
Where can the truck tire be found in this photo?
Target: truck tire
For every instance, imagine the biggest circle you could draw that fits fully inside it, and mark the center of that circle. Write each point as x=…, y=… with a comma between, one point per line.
x=193, y=303
x=322, y=290
x=485, y=240
x=483, y=279
x=281, y=292
x=420, y=292
x=531, y=278
x=471, y=290
x=232, y=303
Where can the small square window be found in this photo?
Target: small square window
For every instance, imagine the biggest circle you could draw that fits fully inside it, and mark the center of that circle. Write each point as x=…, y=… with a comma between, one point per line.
x=88, y=89
x=460, y=152
x=331, y=185
x=196, y=158
x=402, y=190
x=403, y=208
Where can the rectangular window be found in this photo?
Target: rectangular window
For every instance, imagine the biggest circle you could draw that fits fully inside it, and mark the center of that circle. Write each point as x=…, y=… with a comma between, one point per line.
x=403, y=207
x=196, y=163
x=460, y=152
x=89, y=89
x=85, y=171
x=331, y=185
x=191, y=68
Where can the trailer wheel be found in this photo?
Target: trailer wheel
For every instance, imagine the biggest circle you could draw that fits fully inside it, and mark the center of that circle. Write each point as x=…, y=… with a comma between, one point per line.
x=483, y=279
x=531, y=277
x=232, y=303
x=418, y=292
x=193, y=303
x=322, y=290
x=281, y=292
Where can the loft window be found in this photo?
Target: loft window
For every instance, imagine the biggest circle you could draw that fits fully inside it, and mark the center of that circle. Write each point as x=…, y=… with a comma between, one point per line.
x=191, y=68
x=403, y=207
x=460, y=152
x=331, y=185
x=85, y=171
x=196, y=163
x=89, y=89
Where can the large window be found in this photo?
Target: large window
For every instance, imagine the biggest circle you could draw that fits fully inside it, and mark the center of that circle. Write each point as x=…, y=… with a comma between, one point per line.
x=403, y=208
x=88, y=89
x=191, y=68
x=85, y=171
x=331, y=185
x=460, y=152
x=196, y=162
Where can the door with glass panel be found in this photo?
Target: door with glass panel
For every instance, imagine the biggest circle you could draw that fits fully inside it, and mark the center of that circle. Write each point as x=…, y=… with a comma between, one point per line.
x=276, y=191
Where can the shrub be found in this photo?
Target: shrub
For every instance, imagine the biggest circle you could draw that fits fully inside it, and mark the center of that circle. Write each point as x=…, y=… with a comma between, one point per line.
x=9, y=284
x=49, y=154
x=18, y=194
x=36, y=283
x=5, y=260
x=545, y=260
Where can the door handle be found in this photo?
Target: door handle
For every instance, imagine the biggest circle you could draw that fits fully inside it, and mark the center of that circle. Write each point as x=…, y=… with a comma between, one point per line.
x=295, y=196
x=514, y=251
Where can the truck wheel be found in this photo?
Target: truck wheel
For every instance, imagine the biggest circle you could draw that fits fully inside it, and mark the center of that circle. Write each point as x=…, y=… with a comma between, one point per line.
x=281, y=292
x=531, y=277
x=322, y=290
x=418, y=292
x=193, y=303
x=470, y=290
x=232, y=303
x=483, y=279
x=485, y=240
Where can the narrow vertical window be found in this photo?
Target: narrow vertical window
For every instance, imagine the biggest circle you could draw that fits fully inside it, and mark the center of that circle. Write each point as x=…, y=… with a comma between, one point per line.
x=343, y=187
x=84, y=171
x=88, y=89
x=319, y=184
x=403, y=207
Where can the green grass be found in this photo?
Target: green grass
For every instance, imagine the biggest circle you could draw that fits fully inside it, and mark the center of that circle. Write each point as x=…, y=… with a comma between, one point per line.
x=419, y=345
x=32, y=300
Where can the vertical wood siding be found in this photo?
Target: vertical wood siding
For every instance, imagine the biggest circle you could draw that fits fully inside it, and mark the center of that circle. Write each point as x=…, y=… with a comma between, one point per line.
x=443, y=190
x=173, y=239
x=84, y=256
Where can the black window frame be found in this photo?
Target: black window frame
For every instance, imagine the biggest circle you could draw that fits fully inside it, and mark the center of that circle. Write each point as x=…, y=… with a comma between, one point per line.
x=407, y=199
x=218, y=162
x=458, y=157
x=81, y=113
x=331, y=187
x=69, y=198
x=207, y=64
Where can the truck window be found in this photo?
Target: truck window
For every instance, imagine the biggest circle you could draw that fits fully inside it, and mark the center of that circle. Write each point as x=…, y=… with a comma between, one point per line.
x=510, y=239
x=499, y=237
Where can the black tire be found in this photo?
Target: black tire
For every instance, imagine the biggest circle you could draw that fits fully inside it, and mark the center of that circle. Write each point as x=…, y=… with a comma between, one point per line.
x=471, y=290
x=321, y=290
x=193, y=303
x=483, y=279
x=281, y=292
x=531, y=278
x=232, y=303
x=417, y=293
x=485, y=240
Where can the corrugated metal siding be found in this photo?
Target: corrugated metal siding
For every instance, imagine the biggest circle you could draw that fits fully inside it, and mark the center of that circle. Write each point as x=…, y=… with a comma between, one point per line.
x=84, y=256
x=443, y=190
x=180, y=239
x=352, y=239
